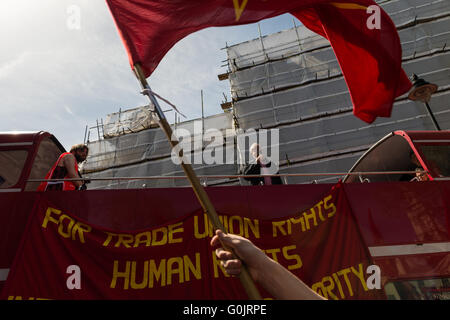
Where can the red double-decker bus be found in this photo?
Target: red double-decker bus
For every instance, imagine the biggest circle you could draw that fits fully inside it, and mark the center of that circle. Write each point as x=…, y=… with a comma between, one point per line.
x=399, y=193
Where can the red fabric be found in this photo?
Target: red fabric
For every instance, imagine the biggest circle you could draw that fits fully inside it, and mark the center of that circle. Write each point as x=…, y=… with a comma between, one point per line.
x=414, y=266
x=421, y=209
x=67, y=185
x=393, y=213
x=370, y=59
x=321, y=246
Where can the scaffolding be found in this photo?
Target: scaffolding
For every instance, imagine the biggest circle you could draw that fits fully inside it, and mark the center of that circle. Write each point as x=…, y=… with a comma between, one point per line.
x=290, y=81
x=147, y=153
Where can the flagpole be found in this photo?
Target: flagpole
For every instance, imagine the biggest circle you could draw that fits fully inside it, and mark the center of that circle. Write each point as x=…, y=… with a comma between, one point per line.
x=202, y=196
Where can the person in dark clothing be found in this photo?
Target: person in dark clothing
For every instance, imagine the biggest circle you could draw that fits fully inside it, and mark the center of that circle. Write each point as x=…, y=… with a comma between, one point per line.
x=261, y=166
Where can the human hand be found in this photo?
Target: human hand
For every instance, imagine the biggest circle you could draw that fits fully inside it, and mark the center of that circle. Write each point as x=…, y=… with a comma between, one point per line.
x=83, y=187
x=243, y=248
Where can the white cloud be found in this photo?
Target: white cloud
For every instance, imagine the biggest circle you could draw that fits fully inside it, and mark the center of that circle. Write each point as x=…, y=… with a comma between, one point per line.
x=7, y=68
x=67, y=108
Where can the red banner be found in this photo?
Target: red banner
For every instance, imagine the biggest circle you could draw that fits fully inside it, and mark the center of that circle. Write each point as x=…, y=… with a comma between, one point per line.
x=363, y=37
x=63, y=257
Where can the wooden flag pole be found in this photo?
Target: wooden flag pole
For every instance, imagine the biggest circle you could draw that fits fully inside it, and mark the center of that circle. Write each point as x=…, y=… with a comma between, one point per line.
x=199, y=191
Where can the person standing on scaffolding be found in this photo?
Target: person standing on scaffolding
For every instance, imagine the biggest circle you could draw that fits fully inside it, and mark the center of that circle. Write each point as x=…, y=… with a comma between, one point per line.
x=66, y=167
x=260, y=167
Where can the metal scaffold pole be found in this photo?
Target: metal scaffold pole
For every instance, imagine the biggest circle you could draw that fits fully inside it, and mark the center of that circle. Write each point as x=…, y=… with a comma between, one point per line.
x=199, y=191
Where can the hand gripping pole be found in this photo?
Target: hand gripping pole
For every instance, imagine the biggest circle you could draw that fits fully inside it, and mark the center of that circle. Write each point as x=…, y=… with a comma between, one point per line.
x=202, y=196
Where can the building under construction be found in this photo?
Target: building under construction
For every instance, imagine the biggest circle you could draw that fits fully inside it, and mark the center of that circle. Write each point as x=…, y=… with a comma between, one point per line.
x=292, y=82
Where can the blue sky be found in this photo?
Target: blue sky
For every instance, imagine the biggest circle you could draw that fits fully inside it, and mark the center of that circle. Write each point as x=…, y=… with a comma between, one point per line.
x=59, y=79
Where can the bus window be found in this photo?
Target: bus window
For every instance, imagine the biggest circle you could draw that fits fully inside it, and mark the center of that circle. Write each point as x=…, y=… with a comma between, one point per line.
x=437, y=158
x=11, y=166
x=46, y=156
x=427, y=289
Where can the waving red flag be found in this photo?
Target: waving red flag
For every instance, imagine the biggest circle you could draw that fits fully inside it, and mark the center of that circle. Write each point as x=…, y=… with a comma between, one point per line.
x=370, y=59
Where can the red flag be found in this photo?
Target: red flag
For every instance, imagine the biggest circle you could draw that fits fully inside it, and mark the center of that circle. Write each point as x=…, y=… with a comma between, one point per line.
x=370, y=59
